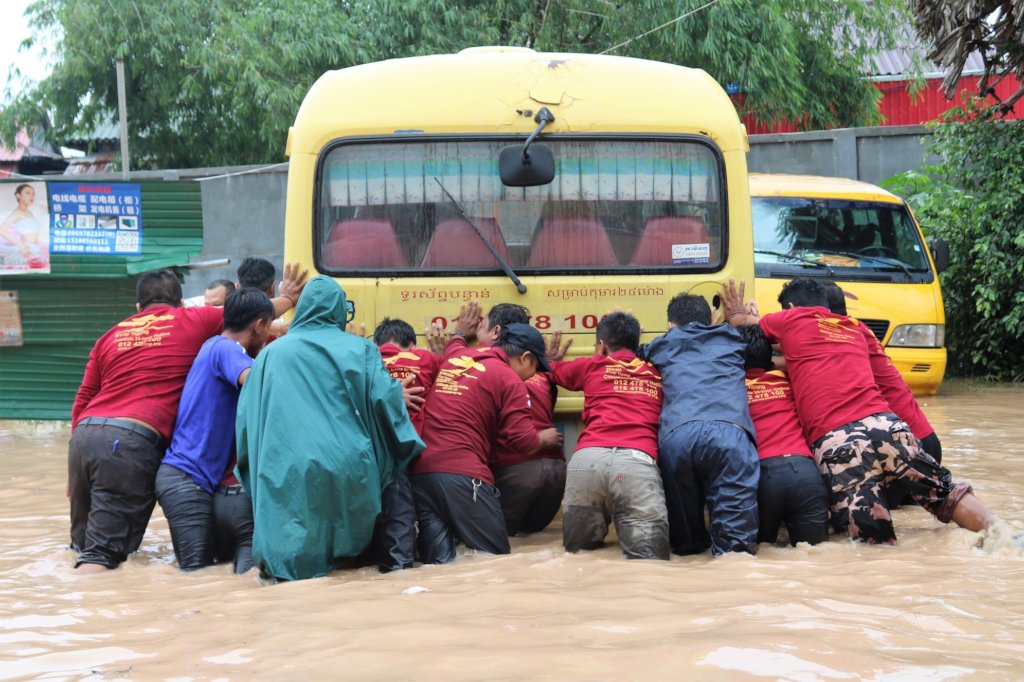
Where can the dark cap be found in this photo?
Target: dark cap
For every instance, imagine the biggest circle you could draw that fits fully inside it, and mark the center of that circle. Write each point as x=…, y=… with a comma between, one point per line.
x=527, y=338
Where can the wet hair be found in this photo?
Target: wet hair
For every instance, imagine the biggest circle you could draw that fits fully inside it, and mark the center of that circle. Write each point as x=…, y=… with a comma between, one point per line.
x=395, y=331
x=226, y=283
x=803, y=292
x=836, y=298
x=620, y=331
x=511, y=349
x=244, y=306
x=505, y=314
x=18, y=190
x=158, y=287
x=257, y=273
x=686, y=308
x=759, y=351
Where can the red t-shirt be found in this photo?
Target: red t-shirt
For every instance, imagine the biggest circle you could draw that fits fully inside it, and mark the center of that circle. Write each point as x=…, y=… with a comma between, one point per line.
x=138, y=368
x=894, y=389
x=621, y=400
x=416, y=362
x=774, y=413
x=542, y=394
x=477, y=404
x=827, y=361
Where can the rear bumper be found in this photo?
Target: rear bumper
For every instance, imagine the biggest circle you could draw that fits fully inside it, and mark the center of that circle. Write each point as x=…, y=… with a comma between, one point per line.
x=921, y=368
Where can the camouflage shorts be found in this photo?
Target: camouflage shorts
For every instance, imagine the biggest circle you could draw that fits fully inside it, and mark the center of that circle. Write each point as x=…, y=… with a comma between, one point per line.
x=859, y=459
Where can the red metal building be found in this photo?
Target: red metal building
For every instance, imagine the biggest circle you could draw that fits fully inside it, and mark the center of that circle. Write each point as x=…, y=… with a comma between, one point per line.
x=898, y=106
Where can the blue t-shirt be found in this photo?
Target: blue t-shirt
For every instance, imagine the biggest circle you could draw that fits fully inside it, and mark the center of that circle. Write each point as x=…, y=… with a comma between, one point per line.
x=702, y=375
x=204, y=434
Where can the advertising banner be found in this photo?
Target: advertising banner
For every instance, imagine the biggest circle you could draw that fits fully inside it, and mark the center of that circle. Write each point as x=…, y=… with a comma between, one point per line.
x=24, y=229
x=10, y=319
x=99, y=219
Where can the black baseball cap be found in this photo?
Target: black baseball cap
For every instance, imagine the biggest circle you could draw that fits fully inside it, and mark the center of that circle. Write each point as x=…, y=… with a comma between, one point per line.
x=528, y=338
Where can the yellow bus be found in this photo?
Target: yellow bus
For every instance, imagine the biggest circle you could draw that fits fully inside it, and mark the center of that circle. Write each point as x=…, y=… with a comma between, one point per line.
x=868, y=242
x=420, y=184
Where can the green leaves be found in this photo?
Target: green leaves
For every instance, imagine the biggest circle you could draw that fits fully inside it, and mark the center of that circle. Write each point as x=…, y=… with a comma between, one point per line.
x=214, y=82
x=974, y=198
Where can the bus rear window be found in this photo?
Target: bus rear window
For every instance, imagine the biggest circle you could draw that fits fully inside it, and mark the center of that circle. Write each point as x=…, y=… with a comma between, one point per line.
x=614, y=204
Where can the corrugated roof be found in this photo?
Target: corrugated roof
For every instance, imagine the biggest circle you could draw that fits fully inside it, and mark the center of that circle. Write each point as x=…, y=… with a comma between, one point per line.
x=107, y=130
x=897, y=62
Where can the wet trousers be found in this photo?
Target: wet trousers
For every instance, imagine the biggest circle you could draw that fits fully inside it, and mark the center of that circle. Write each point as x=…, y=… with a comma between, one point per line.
x=531, y=493
x=896, y=494
x=205, y=528
x=714, y=465
x=452, y=508
x=861, y=458
x=111, y=475
x=394, y=535
x=792, y=491
x=619, y=485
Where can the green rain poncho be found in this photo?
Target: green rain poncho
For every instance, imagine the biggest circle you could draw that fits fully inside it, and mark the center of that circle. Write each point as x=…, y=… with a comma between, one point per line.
x=321, y=429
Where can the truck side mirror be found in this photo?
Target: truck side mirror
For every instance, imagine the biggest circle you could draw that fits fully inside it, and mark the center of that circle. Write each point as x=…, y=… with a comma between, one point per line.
x=940, y=252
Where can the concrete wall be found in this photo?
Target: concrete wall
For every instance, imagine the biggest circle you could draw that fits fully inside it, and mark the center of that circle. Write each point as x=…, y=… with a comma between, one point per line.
x=243, y=215
x=869, y=154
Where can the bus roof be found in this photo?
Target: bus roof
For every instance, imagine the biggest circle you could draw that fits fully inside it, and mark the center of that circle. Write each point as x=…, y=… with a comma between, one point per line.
x=490, y=90
x=817, y=187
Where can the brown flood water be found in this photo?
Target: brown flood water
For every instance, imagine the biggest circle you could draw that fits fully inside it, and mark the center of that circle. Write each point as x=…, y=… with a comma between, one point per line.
x=932, y=608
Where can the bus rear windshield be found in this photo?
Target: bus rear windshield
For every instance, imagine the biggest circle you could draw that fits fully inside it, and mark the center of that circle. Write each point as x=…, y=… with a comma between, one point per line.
x=614, y=204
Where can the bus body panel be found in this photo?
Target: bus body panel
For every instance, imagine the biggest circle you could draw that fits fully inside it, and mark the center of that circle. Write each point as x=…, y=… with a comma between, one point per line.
x=496, y=93
x=886, y=305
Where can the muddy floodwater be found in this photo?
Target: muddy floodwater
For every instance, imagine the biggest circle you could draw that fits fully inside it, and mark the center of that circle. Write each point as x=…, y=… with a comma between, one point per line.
x=935, y=607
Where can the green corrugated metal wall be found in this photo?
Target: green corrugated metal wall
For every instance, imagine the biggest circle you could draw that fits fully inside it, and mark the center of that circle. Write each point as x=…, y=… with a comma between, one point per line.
x=64, y=312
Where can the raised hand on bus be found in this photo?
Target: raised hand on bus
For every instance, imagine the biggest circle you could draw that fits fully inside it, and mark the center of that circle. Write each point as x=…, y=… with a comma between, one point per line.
x=468, y=320
x=737, y=311
x=293, y=281
x=437, y=338
x=556, y=349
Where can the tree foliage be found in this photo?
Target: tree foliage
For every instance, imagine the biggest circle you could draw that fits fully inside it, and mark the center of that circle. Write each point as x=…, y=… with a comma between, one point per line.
x=216, y=82
x=958, y=28
x=209, y=82
x=974, y=198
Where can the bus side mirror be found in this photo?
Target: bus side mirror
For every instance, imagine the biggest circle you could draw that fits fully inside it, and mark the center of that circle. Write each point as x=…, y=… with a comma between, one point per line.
x=530, y=169
x=940, y=252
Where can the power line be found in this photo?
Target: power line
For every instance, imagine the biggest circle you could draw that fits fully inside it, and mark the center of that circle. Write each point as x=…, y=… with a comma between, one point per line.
x=658, y=28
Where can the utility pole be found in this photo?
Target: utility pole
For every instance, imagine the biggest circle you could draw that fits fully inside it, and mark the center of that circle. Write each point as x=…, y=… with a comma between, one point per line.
x=122, y=113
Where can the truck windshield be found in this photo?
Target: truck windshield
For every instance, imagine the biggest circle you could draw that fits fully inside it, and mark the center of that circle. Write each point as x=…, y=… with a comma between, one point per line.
x=614, y=204
x=840, y=234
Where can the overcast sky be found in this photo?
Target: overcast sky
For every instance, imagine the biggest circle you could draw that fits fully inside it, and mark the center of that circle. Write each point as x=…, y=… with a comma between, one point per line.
x=13, y=30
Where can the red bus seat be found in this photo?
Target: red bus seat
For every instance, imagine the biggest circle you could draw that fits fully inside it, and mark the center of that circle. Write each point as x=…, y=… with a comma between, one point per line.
x=661, y=232
x=572, y=242
x=456, y=245
x=362, y=243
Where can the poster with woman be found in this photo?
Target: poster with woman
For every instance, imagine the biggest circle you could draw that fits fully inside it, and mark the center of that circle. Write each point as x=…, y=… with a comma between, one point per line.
x=24, y=228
